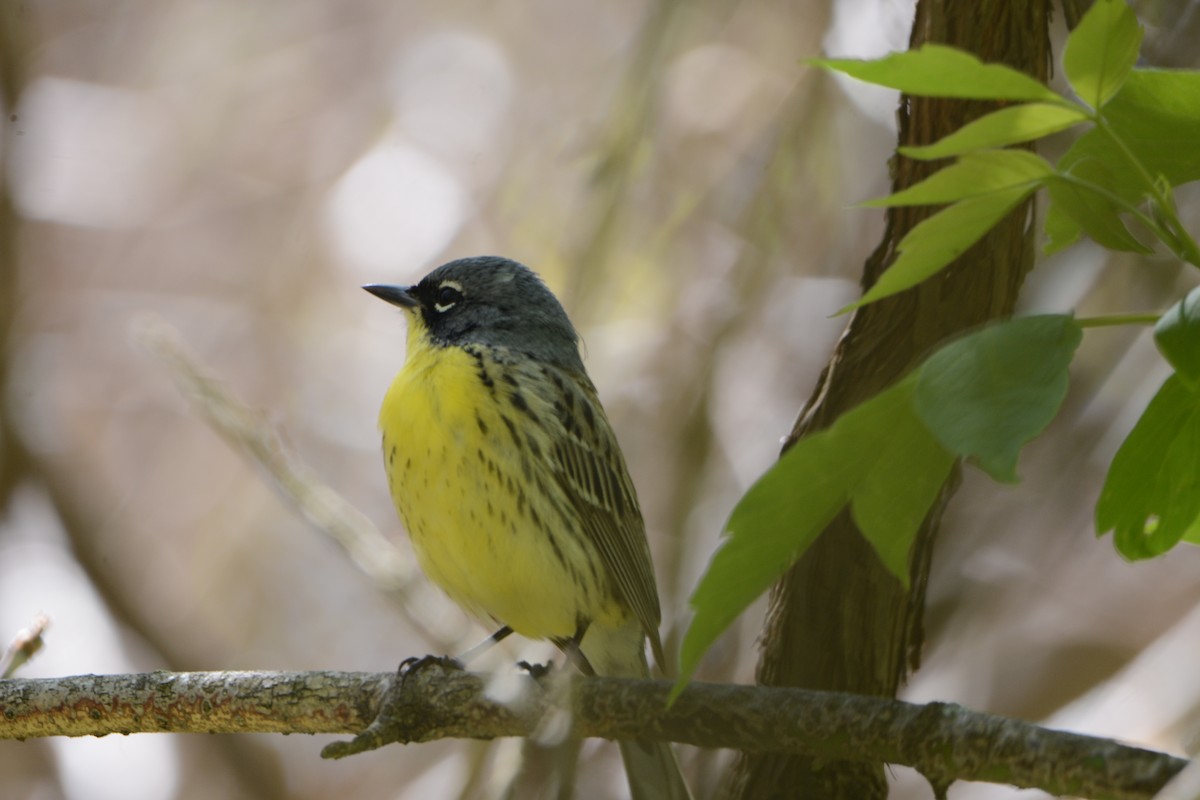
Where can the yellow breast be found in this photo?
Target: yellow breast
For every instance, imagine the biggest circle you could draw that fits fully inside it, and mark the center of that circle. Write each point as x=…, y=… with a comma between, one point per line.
x=469, y=473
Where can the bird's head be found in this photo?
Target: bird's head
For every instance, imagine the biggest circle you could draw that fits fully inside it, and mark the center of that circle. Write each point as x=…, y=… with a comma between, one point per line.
x=491, y=301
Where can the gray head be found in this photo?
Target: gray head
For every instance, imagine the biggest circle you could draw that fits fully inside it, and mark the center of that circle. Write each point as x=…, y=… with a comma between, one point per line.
x=492, y=301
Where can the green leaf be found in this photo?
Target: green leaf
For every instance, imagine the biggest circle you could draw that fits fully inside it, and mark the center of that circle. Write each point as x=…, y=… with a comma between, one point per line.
x=934, y=70
x=971, y=175
x=877, y=457
x=985, y=395
x=1155, y=115
x=1102, y=50
x=771, y=526
x=1007, y=126
x=1151, y=497
x=1177, y=335
x=1089, y=211
x=902, y=480
x=1061, y=230
x=1192, y=534
x=940, y=239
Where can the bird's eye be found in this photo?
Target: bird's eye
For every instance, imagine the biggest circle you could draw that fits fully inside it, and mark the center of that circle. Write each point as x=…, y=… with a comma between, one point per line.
x=448, y=296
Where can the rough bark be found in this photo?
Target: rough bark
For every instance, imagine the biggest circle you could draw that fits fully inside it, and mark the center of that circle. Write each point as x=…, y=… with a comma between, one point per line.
x=838, y=620
x=436, y=700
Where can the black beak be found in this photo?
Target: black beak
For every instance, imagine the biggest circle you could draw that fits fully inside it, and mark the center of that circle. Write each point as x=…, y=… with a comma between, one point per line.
x=396, y=295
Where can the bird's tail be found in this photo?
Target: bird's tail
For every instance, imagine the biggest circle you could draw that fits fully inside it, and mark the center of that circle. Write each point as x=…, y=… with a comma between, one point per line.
x=653, y=771
x=651, y=767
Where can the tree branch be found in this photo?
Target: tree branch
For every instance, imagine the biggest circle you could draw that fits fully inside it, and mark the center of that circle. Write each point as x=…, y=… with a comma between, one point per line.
x=434, y=700
x=190, y=702
x=331, y=514
x=245, y=429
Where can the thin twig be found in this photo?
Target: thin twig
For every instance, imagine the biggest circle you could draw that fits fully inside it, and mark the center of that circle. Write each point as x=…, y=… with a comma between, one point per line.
x=23, y=646
x=319, y=503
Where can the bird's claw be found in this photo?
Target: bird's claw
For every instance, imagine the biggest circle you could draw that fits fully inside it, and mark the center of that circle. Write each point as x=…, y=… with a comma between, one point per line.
x=536, y=671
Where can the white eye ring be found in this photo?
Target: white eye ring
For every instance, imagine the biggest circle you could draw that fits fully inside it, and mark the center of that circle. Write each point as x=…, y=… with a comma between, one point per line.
x=449, y=298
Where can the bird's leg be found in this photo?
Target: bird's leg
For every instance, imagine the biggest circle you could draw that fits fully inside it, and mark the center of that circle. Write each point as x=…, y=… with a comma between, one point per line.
x=570, y=647
x=499, y=636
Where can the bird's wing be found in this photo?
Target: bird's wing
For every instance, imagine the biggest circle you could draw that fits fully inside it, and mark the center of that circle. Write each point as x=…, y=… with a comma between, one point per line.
x=591, y=471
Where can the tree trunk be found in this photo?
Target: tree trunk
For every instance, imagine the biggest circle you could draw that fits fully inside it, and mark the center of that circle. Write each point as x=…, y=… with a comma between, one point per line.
x=838, y=620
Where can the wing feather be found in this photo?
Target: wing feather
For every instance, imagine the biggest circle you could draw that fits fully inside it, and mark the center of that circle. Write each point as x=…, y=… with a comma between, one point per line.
x=592, y=473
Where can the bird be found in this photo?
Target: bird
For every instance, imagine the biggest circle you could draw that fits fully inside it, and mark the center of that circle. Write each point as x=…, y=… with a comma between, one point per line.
x=509, y=480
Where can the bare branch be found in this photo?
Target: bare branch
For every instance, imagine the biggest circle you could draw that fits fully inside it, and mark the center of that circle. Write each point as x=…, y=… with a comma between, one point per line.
x=190, y=702
x=330, y=513
x=244, y=428
x=434, y=700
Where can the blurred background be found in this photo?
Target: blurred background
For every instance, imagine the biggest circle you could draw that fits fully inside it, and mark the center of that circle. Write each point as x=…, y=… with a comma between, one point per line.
x=234, y=171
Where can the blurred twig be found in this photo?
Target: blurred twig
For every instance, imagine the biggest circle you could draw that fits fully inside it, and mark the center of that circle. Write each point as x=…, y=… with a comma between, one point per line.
x=14, y=48
x=23, y=646
x=328, y=511
x=621, y=151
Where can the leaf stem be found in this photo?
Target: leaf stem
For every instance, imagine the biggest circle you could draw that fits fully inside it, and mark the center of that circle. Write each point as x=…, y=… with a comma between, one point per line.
x=1186, y=247
x=1110, y=320
x=1126, y=206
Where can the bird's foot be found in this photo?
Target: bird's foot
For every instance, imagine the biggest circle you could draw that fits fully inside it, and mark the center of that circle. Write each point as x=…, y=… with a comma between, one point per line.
x=536, y=671
x=414, y=664
x=412, y=705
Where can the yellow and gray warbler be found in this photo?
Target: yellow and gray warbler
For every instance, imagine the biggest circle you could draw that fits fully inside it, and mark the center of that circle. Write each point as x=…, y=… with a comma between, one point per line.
x=511, y=484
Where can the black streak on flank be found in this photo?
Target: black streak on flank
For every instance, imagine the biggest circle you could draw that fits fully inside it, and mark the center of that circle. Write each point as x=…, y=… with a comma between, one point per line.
x=512, y=429
x=483, y=428
x=558, y=553
x=518, y=401
x=391, y=455
x=592, y=570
